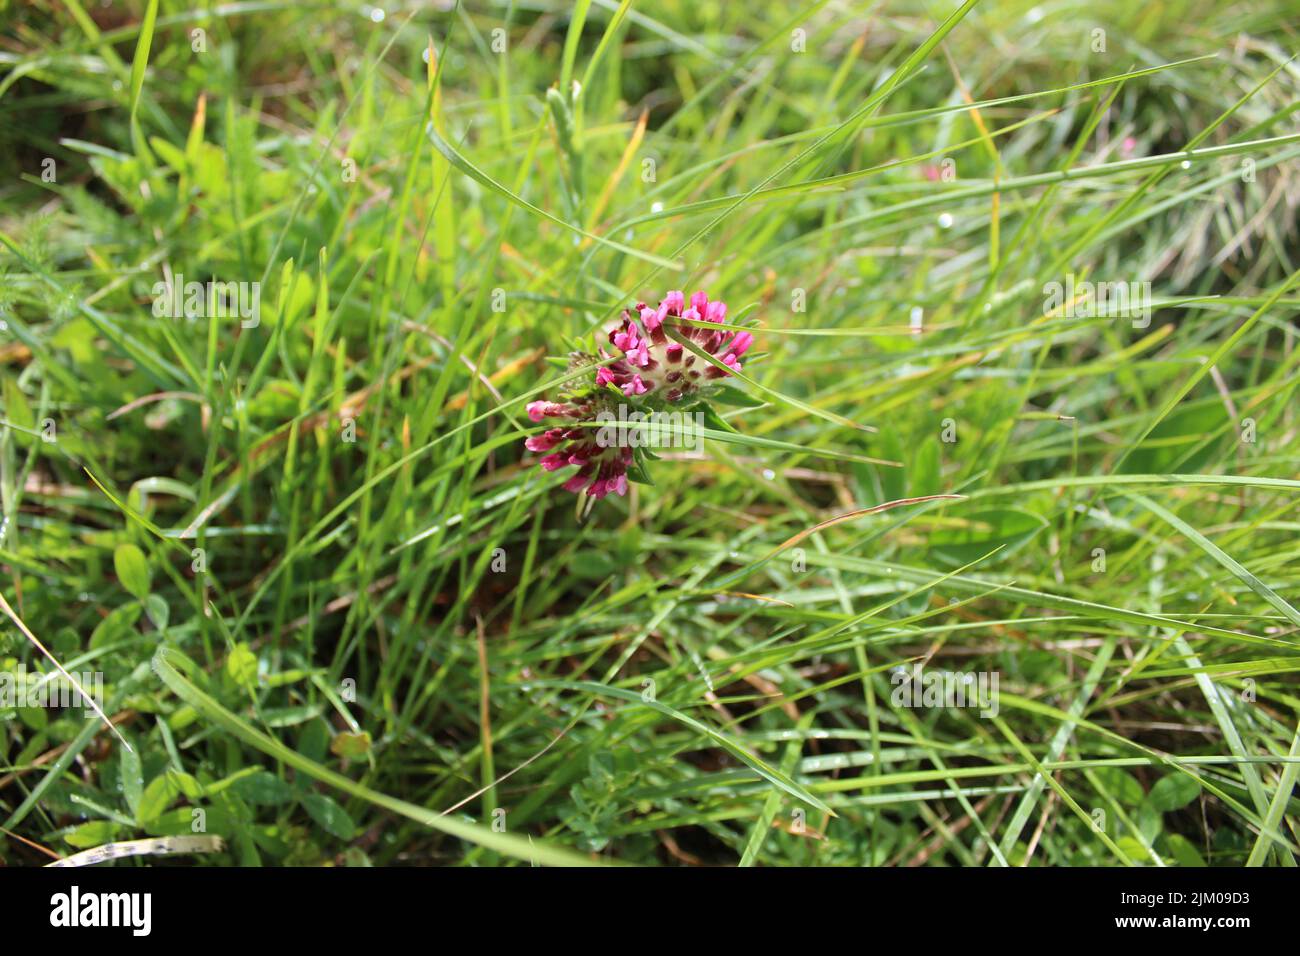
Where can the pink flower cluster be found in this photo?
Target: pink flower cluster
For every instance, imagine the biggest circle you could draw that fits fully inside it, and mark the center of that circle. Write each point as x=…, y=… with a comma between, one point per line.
x=600, y=469
x=648, y=363
x=652, y=362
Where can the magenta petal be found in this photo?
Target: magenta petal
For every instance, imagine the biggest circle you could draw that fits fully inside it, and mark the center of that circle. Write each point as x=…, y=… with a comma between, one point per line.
x=554, y=462
x=539, y=443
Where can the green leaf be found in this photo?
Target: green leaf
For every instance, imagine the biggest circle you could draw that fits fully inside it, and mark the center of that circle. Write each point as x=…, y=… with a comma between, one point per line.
x=1173, y=792
x=241, y=666
x=17, y=410
x=715, y=420
x=1133, y=849
x=158, y=611
x=132, y=570
x=187, y=785
x=592, y=565
x=36, y=718
x=263, y=787
x=1119, y=785
x=350, y=746
x=730, y=395
x=331, y=817
x=1182, y=850
x=1006, y=528
x=118, y=625
x=637, y=473
x=95, y=833
x=157, y=797
x=187, y=821
x=1149, y=823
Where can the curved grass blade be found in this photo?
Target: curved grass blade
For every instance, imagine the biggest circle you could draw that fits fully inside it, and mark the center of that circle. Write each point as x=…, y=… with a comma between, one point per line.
x=483, y=179
x=755, y=763
x=165, y=663
x=1219, y=555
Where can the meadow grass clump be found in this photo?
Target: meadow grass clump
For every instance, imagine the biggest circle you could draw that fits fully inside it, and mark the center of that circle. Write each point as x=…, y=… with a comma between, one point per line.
x=983, y=549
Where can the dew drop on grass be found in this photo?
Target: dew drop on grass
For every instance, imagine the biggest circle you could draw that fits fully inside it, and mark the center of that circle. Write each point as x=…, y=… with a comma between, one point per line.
x=769, y=474
x=945, y=220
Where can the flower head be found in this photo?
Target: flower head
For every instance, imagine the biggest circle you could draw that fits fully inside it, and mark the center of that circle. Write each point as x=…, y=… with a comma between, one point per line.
x=601, y=468
x=652, y=363
x=650, y=369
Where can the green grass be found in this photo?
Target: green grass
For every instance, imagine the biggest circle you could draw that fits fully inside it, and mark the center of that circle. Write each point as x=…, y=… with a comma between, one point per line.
x=339, y=611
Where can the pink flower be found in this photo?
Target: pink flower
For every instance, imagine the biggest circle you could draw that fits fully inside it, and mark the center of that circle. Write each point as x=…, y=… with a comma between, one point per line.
x=738, y=345
x=652, y=363
x=601, y=468
x=546, y=440
x=647, y=363
x=544, y=409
